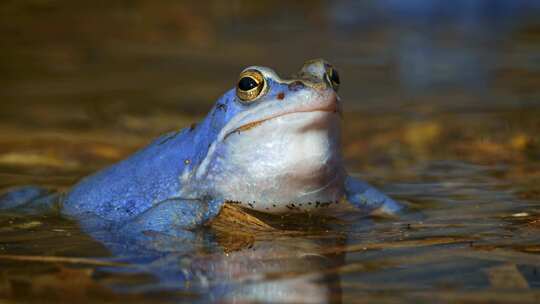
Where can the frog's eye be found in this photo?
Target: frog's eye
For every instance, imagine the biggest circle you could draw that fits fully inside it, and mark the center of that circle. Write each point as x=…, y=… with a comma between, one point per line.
x=251, y=85
x=332, y=76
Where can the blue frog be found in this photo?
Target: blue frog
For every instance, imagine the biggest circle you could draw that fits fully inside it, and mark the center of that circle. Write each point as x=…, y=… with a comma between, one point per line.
x=270, y=144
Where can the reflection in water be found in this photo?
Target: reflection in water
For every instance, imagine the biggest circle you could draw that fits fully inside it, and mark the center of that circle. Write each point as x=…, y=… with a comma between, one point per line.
x=288, y=270
x=267, y=267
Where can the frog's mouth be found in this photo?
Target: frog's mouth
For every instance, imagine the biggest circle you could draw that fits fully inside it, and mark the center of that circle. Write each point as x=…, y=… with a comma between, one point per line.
x=332, y=108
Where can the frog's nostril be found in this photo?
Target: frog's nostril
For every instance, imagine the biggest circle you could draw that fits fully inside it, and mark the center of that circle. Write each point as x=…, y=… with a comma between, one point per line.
x=296, y=85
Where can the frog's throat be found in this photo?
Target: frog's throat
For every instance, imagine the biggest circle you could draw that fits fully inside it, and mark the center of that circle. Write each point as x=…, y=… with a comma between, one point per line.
x=237, y=123
x=304, y=201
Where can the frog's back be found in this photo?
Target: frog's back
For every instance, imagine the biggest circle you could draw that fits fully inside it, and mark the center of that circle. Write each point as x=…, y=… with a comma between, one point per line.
x=135, y=184
x=148, y=177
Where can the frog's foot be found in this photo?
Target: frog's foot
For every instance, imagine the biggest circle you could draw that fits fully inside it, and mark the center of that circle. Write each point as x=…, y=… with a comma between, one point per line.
x=174, y=217
x=364, y=196
x=30, y=200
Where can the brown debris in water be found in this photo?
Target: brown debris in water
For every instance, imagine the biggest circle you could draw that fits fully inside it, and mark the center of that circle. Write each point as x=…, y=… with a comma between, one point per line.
x=442, y=240
x=55, y=259
x=234, y=219
x=236, y=229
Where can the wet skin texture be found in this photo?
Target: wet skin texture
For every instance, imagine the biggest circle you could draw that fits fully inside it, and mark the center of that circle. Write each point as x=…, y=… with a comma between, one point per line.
x=270, y=144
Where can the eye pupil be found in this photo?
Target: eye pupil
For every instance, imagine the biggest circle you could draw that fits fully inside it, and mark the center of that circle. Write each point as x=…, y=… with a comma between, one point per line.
x=250, y=86
x=247, y=83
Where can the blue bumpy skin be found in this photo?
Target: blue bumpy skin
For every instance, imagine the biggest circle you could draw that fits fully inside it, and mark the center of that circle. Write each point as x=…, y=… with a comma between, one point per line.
x=270, y=144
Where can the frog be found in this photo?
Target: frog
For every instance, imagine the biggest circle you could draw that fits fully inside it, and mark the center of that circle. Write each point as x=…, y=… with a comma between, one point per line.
x=269, y=144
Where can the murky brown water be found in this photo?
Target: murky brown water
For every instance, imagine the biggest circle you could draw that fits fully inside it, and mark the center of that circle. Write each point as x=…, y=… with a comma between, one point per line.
x=441, y=111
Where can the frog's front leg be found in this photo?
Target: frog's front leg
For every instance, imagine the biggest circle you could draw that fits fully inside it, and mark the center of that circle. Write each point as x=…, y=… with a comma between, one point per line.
x=364, y=196
x=174, y=217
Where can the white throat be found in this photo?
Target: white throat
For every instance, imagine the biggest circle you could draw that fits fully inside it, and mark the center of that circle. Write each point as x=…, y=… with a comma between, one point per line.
x=293, y=159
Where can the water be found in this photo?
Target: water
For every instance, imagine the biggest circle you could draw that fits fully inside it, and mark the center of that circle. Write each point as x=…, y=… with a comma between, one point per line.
x=441, y=112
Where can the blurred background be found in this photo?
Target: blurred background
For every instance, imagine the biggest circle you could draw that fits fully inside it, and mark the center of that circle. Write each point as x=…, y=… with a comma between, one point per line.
x=441, y=102
x=137, y=68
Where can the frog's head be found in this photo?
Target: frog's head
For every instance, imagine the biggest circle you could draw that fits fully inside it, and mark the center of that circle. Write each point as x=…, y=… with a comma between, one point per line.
x=279, y=141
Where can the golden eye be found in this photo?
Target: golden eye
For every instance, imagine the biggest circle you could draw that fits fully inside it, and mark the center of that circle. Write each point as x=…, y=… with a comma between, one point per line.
x=332, y=76
x=251, y=85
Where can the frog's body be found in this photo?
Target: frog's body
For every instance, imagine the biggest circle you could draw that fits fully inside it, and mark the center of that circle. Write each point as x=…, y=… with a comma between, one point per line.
x=148, y=177
x=271, y=144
